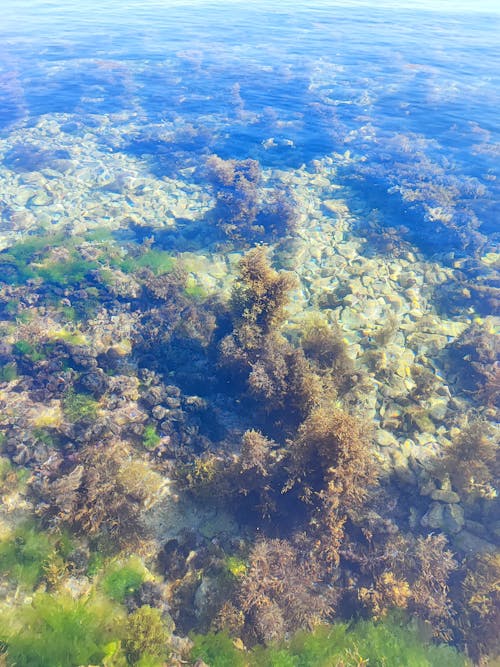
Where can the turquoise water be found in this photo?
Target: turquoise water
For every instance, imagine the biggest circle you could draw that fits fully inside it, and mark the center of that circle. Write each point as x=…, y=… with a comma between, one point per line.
x=249, y=316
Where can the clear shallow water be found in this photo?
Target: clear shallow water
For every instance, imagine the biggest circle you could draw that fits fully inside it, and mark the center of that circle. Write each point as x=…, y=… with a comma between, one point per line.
x=392, y=88
x=373, y=143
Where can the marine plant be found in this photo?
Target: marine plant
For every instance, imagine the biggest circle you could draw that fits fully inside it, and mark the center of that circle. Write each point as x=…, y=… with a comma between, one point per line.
x=409, y=572
x=260, y=293
x=472, y=461
x=150, y=437
x=102, y=496
x=12, y=477
x=475, y=355
x=217, y=650
x=123, y=579
x=332, y=469
x=79, y=406
x=8, y=372
x=236, y=188
x=281, y=591
x=272, y=373
x=157, y=261
x=391, y=642
x=24, y=554
x=479, y=606
x=324, y=344
x=59, y=631
x=146, y=636
x=244, y=211
x=28, y=350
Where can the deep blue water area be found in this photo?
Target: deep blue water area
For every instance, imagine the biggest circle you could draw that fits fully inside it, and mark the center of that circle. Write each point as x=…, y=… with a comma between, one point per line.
x=411, y=92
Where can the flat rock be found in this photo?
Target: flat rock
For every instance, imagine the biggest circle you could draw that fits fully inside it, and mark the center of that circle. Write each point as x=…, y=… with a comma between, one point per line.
x=445, y=496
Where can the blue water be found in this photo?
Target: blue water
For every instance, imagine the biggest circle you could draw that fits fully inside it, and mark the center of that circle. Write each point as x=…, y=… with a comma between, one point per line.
x=411, y=92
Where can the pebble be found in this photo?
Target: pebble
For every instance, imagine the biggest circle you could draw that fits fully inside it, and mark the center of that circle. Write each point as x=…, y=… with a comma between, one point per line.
x=385, y=439
x=438, y=407
x=41, y=199
x=472, y=544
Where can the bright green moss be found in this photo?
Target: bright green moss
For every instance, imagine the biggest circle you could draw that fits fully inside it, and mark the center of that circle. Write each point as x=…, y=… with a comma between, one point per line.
x=69, y=313
x=150, y=437
x=70, y=337
x=389, y=643
x=79, y=406
x=122, y=580
x=16, y=261
x=58, y=631
x=48, y=436
x=31, y=259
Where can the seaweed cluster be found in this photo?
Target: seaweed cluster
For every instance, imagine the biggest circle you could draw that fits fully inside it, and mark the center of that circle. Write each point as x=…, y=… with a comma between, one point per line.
x=246, y=212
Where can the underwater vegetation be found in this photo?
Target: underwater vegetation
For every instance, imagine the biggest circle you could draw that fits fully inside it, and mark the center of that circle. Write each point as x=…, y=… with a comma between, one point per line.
x=364, y=643
x=219, y=397
x=58, y=631
x=246, y=211
x=248, y=351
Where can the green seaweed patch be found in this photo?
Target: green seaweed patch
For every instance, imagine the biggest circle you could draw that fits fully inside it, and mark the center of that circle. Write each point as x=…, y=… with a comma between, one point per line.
x=16, y=260
x=146, y=637
x=63, y=273
x=217, y=650
x=150, y=437
x=194, y=290
x=100, y=235
x=23, y=554
x=365, y=643
x=157, y=261
x=48, y=436
x=58, y=631
x=96, y=563
x=79, y=406
x=66, y=336
x=8, y=372
x=12, y=478
x=26, y=349
x=31, y=259
x=236, y=566
x=123, y=579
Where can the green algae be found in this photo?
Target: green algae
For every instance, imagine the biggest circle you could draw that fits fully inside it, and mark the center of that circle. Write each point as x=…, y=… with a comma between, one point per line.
x=122, y=580
x=366, y=642
x=8, y=372
x=25, y=553
x=78, y=406
x=146, y=636
x=58, y=631
x=150, y=437
x=28, y=350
